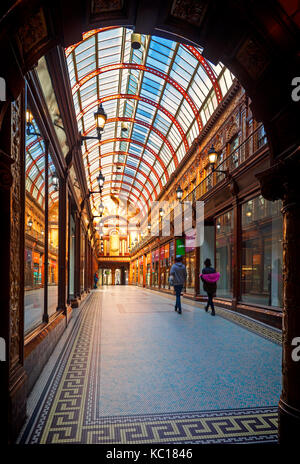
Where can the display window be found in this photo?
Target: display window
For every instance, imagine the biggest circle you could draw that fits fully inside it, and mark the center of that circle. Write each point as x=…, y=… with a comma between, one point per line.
x=162, y=266
x=190, y=257
x=34, y=229
x=53, y=237
x=224, y=253
x=262, y=230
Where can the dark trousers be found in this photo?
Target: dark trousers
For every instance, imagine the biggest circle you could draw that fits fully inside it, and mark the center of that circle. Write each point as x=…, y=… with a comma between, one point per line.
x=178, y=289
x=210, y=302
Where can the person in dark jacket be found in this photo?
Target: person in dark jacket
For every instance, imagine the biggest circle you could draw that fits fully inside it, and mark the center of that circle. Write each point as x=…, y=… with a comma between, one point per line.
x=178, y=278
x=209, y=277
x=96, y=278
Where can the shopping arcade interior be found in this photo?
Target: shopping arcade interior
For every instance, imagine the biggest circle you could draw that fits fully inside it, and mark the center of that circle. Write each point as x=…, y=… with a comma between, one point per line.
x=82, y=247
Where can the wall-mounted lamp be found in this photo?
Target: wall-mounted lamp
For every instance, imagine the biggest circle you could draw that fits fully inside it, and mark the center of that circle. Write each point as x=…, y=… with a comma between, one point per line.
x=100, y=119
x=100, y=180
x=212, y=159
x=179, y=193
x=55, y=181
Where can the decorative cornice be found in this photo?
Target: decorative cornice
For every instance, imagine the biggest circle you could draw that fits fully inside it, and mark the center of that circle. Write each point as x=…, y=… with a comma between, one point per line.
x=198, y=141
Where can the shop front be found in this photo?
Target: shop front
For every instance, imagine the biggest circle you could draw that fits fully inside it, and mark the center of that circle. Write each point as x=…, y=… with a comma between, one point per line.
x=155, y=268
x=167, y=265
x=148, y=270
x=261, y=276
x=162, y=266
x=141, y=271
x=190, y=261
x=224, y=254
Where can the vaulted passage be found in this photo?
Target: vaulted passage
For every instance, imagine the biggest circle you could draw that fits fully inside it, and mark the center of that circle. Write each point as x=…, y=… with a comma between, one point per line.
x=132, y=370
x=150, y=221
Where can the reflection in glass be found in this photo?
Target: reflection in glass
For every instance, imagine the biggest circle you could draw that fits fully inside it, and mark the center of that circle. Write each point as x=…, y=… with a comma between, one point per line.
x=262, y=252
x=224, y=252
x=34, y=230
x=190, y=270
x=53, y=217
x=72, y=257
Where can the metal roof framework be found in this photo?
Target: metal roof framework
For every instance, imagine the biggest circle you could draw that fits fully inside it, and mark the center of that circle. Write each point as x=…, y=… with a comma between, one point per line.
x=164, y=91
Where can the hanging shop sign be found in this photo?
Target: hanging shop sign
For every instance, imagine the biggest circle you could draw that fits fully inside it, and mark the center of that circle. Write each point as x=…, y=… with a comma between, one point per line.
x=167, y=251
x=156, y=254
x=180, y=248
x=172, y=249
x=162, y=253
x=190, y=240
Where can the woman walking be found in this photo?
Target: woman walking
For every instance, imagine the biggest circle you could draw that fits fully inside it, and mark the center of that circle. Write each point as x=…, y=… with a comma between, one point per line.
x=209, y=277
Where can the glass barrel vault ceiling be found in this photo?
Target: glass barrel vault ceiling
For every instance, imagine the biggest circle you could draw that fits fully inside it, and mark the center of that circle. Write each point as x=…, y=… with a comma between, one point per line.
x=165, y=92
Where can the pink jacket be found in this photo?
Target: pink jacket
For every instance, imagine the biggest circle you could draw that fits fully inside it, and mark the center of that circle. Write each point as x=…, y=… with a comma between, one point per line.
x=211, y=278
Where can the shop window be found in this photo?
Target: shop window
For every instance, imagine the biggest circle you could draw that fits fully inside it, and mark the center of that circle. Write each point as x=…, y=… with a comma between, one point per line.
x=224, y=253
x=39, y=193
x=53, y=236
x=71, y=255
x=234, y=153
x=261, y=276
x=34, y=279
x=190, y=259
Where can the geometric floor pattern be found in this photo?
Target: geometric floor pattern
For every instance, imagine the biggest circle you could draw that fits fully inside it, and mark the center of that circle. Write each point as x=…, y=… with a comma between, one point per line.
x=134, y=371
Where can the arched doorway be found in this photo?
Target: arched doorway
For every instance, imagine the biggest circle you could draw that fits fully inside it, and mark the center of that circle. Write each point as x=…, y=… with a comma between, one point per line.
x=252, y=53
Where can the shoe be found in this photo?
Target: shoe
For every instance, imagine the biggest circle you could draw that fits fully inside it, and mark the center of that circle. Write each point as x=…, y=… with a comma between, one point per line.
x=206, y=309
x=213, y=313
x=175, y=308
x=179, y=312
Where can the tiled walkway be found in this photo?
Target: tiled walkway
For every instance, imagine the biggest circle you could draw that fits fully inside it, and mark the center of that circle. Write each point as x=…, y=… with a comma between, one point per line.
x=132, y=370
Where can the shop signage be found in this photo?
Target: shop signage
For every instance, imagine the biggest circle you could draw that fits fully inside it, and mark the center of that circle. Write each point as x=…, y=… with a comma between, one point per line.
x=180, y=248
x=172, y=250
x=162, y=252
x=190, y=240
x=167, y=250
x=156, y=254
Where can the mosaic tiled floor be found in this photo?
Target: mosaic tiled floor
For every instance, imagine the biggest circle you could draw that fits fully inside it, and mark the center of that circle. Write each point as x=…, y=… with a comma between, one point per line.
x=132, y=370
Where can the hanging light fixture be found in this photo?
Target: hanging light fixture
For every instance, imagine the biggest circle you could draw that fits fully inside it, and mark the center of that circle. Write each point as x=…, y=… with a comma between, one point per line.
x=136, y=41
x=101, y=209
x=161, y=212
x=124, y=127
x=30, y=223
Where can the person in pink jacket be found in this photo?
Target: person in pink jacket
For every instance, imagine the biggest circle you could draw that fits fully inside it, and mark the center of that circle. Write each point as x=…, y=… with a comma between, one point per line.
x=209, y=277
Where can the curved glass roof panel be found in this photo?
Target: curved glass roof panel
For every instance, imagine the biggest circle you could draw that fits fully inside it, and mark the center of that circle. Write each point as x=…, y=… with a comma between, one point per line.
x=165, y=92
